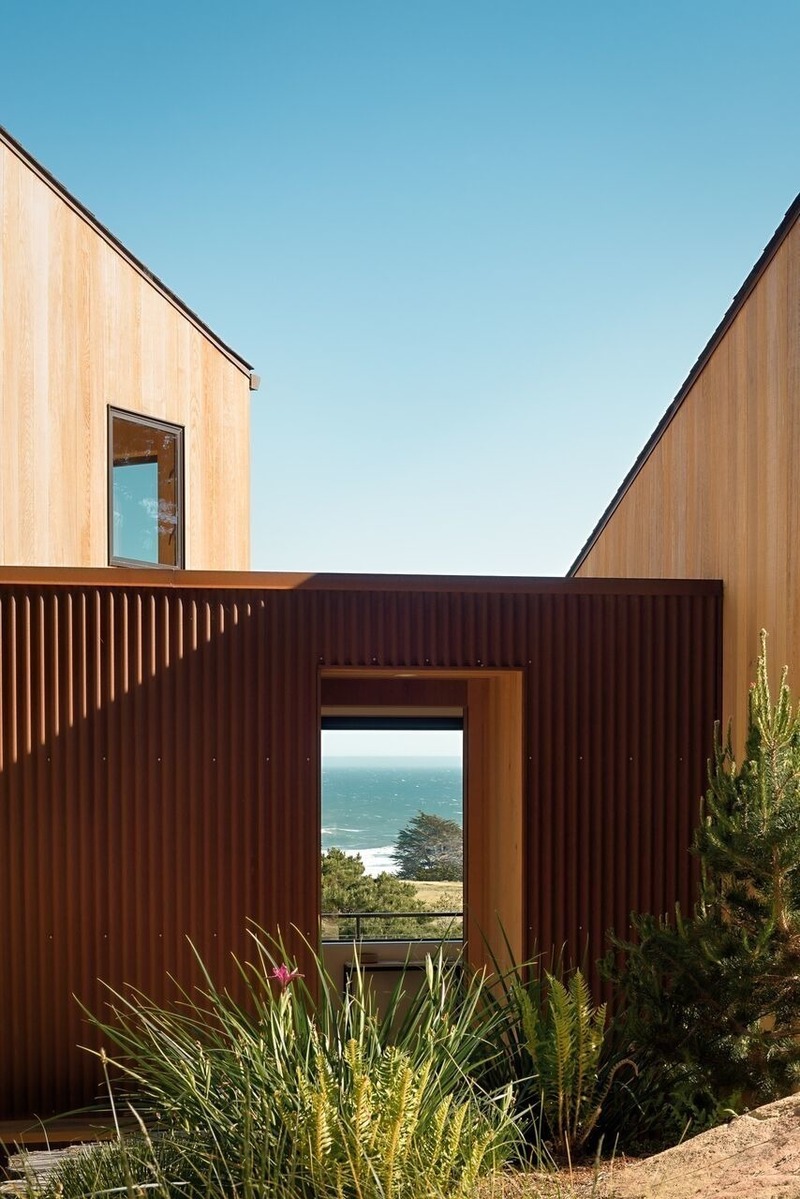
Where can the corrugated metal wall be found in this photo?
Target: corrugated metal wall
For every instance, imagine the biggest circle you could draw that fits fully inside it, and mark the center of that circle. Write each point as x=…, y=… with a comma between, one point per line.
x=159, y=767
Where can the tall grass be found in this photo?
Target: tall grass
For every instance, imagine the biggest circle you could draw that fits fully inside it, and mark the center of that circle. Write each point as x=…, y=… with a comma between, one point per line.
x=301, y=1093
x=294, y=1095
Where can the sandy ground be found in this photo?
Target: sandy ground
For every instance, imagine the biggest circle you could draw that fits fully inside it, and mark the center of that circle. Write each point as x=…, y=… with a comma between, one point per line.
x=756, y=1156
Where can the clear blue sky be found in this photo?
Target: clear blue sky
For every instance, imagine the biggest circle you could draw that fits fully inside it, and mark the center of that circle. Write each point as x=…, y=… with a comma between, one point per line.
x=395, y=744
x=473, y=247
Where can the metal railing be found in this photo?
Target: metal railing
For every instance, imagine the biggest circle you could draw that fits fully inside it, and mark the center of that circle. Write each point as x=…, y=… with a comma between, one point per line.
x=361, y=916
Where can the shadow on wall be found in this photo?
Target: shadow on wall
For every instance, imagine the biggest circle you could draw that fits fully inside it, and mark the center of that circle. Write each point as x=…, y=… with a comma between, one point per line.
x=160, y=771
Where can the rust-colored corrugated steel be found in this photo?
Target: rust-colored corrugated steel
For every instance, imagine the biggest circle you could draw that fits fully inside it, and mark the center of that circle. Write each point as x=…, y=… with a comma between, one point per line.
x=159, y=766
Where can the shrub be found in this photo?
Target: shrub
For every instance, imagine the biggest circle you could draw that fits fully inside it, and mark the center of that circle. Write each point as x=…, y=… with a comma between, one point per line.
x=563, y=1036
x=711, y=1003
x=131, y=1167
x=346, y=889
x=298, y=1097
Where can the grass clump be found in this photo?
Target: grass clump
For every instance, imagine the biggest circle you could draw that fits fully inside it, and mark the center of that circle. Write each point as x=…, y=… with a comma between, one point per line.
x=135, y=1166
x=304, y=1097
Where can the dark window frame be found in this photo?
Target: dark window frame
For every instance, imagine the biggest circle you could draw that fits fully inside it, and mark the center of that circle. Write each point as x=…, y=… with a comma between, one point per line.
x=370, y=723
x=149, y=422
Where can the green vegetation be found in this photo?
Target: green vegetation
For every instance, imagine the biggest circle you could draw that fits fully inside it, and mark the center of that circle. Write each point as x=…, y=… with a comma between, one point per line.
x=563, y=1037
x=557, y=1055
x=711, y=1003
x=430, y=847
x=299, y=1097
x=346, y=889
x=306, y=1099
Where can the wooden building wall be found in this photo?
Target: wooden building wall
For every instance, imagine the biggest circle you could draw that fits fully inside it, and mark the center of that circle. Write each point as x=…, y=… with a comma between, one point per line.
x=160, y=774
x=82, y=326
x=717, y=495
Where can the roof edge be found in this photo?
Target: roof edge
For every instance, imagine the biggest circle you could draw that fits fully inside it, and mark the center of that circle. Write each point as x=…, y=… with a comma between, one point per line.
x=124, y=577
x=737, y=303
x=82, y=211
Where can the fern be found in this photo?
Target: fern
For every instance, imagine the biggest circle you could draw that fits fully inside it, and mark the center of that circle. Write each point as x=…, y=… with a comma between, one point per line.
x=563, y=1035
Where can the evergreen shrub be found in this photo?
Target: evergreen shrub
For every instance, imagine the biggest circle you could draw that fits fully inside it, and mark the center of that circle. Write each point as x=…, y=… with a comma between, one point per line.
x=710, y=1003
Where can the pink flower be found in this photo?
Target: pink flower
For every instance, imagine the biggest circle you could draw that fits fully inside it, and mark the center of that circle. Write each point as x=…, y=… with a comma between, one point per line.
x=283, y=975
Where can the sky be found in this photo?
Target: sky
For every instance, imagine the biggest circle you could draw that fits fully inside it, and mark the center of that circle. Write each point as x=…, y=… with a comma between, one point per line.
x=394, y=743
x=472, y=247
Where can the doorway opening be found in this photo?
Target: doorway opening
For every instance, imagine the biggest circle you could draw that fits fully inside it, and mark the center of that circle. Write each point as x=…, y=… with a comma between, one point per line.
x=489, y=704
x=392, y=846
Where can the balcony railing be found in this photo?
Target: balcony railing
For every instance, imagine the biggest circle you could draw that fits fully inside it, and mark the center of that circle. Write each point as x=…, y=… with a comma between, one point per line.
x=359, y=918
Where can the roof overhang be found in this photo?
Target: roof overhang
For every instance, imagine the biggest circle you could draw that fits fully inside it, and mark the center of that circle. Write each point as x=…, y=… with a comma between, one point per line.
x=83, y=212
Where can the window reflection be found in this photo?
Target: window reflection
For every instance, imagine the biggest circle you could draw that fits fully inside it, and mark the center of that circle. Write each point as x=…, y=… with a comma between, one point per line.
x=145, y=487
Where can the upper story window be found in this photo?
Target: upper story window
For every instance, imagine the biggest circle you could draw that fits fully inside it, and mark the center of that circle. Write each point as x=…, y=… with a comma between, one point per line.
x=145, y=491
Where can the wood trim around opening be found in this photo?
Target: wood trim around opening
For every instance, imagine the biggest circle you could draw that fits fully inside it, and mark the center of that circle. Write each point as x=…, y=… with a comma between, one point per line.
x=494, y=806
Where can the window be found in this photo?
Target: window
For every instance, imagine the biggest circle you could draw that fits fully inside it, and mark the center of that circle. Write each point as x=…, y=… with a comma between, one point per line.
x=392, y=819
x=145, y=491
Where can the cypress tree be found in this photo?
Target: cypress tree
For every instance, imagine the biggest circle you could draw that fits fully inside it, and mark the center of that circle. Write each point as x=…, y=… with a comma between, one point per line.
x=714, y=1000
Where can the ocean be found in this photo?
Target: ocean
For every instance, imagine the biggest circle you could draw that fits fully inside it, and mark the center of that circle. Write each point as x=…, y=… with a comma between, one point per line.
x=367, y=801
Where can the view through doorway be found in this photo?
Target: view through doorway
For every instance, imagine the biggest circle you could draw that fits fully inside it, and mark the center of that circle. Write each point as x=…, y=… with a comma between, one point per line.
x=392, y=828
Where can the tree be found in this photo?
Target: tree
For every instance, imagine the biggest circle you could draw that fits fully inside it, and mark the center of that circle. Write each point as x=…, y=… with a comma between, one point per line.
x=346, y=890
x=430, y=848
x=718, y=994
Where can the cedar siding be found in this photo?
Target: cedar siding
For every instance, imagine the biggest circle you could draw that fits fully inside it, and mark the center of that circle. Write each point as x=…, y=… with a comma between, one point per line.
x=83, y=325
x=716, y=493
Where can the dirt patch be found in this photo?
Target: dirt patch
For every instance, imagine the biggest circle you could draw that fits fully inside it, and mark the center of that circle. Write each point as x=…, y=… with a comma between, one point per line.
x=756, y=1156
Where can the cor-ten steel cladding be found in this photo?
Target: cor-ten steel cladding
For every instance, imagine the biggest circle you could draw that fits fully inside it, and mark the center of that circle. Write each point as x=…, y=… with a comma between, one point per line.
x=159, y=767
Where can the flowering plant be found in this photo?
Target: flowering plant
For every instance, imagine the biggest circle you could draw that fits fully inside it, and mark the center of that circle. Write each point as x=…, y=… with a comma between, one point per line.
x=283, y=976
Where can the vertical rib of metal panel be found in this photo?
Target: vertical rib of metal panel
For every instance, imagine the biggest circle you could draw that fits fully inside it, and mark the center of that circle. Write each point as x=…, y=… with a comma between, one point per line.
x=159, y=774
x=135, y=801
x=622, y=693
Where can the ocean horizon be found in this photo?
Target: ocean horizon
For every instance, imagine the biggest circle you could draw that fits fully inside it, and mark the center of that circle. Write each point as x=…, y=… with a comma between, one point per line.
x=367, y=801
